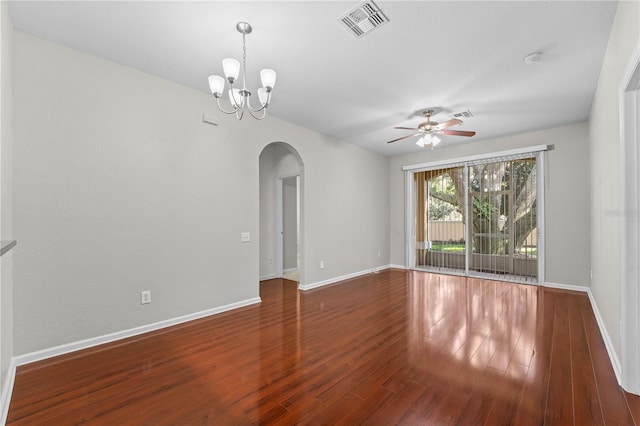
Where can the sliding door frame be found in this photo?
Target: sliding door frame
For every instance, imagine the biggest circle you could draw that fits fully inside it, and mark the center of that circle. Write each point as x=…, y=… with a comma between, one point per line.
x=537, y=151
x=410, y=242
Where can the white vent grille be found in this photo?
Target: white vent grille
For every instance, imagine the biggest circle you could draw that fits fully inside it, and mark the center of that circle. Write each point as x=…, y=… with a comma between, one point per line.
x=363, y=18
x=463, y=114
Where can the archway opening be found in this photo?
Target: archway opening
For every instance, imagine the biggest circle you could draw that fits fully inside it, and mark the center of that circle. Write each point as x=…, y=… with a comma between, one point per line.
x=281, y=213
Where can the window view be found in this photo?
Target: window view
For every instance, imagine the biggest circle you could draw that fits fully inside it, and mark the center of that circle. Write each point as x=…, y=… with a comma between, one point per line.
x=499, y=198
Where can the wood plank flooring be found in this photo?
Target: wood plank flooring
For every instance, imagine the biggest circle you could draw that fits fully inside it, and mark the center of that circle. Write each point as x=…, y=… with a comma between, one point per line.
x=395, y=347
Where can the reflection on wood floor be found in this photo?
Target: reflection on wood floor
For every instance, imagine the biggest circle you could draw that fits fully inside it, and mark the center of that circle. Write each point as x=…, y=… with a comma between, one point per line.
x=395, y=347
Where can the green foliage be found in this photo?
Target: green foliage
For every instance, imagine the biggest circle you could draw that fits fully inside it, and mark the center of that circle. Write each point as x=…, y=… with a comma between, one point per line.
x=484, y=209
x=457, y=247
x=490, y=185
x=439, y=210
x=443, y=200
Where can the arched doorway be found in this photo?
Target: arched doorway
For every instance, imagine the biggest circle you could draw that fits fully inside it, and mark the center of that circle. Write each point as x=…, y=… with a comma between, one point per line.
x=281, y=212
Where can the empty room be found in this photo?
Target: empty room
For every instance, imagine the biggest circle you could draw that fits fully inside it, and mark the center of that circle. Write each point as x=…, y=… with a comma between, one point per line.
x=320, y=212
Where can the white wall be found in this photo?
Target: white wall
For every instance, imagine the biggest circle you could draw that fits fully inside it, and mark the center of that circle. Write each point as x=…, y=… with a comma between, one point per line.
x=6, y=182
x=119, y=187
x=346, y=211
x=566, y=196
x=606, y=197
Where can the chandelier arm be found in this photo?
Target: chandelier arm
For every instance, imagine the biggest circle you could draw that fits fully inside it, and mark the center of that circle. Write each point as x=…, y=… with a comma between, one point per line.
x=264, y=107
x=258, y=117
x=223, y=110
x=240, y=113
x=250, y=108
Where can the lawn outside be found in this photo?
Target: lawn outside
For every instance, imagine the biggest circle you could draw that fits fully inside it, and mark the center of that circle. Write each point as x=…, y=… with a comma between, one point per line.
x=459, y=247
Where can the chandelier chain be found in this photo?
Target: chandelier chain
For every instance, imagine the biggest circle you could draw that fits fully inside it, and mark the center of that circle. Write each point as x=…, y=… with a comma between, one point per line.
x=244, y=61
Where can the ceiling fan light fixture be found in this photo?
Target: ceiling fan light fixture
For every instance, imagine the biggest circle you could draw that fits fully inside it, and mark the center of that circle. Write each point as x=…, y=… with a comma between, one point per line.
x=429, y=131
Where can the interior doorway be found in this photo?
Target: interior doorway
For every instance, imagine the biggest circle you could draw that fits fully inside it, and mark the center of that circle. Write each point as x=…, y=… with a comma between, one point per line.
x=281, y=213
x=288, y=220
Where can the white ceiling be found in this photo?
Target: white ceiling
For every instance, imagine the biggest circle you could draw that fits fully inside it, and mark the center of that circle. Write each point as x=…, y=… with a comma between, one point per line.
x=447, y=55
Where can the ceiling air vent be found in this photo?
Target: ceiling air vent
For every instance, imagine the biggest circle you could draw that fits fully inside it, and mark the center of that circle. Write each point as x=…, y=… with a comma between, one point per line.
x=463, y=114
x=363, y=18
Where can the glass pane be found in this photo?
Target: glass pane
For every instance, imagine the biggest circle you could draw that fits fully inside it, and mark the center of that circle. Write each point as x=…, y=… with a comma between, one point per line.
x=440, y=244
x=502, y=198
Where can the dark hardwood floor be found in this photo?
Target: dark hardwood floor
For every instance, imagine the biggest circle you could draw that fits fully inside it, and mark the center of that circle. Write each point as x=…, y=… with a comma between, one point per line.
x=395, y=347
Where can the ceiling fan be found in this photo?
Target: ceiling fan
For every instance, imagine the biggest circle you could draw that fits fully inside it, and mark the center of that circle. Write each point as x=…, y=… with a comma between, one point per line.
x=430, y=129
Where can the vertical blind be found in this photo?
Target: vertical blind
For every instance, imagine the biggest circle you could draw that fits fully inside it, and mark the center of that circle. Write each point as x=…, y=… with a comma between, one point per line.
x=478, y=218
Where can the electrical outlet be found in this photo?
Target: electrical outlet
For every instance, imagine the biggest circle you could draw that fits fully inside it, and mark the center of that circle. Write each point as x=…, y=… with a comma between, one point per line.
x=245, y=237
x=322, y=264
x=145, y=297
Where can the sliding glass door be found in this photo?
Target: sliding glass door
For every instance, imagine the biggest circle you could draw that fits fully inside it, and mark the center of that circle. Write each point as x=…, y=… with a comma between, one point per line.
x=502, y=204
x=478, y=218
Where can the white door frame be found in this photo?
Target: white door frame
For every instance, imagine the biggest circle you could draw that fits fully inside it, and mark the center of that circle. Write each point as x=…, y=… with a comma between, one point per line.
x=630, y=212
x=277, y=255
x=279, y=217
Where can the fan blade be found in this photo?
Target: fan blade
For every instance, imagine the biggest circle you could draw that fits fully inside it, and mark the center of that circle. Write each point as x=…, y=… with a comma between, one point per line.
x=406, y=128
x=457, y=133
x=446, y=124
x=405, y=137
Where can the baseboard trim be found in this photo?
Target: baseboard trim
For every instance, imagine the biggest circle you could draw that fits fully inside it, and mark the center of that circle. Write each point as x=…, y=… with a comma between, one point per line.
x=613, y=356
x=571, y=287
x=392, y=266
x=119, y=335
x=267, y=277
x=305, y=287
x=608, y=344
x=286, y=271
x=7, y=391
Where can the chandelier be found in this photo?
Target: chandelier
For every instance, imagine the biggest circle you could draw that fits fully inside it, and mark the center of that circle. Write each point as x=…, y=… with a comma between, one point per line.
x=239, y=97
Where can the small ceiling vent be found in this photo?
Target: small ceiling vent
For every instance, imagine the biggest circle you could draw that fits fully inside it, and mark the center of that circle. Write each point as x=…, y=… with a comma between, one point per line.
x=463, y=114
x=363, y=18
